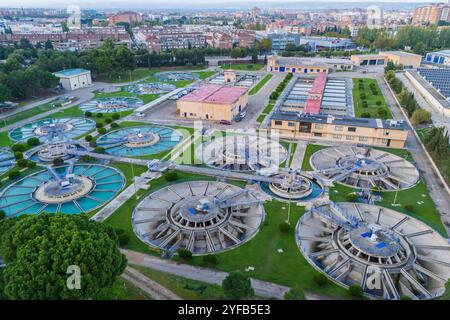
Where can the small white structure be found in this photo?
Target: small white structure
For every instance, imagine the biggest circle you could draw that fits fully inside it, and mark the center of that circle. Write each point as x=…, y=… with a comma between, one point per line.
x=72, y=79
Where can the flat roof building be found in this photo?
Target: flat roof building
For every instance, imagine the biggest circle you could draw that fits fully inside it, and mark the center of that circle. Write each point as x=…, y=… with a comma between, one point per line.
x=440, y=58
x=307, y=65
x=72, y=79
x=213, y=102
x=408, y=60
x=342, y=129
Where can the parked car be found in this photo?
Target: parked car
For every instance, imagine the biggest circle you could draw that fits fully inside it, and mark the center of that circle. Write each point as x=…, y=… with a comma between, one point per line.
x=140, y=114
x=225, y=122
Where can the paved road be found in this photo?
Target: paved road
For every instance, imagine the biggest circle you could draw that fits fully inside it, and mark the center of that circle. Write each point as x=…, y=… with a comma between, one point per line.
x=147, y=285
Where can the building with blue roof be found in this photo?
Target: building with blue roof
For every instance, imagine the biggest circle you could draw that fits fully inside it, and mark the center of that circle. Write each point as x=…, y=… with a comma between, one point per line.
x=72, y=79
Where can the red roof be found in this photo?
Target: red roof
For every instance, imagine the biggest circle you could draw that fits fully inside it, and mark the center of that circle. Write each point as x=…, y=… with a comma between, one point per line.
x=318, y=87
x=215, y=94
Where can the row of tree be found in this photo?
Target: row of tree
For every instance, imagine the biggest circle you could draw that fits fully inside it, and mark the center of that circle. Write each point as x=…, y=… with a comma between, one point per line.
x=436, y=140
x=420, y=39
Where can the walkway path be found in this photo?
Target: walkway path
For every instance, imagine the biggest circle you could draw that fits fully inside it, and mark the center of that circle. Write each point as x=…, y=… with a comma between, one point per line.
x=150, y=287
x=262, y=288
x=299, y=154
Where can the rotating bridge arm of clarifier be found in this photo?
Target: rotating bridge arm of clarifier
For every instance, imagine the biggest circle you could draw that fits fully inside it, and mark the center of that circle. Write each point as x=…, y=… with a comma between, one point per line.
x=52, y=173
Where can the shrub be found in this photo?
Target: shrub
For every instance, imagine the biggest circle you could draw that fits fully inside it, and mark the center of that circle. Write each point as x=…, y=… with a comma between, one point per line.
x=378, y=103
x=2, y=214
x=85, y=157
x=115, y=116
x=114, y=125
x=405, y=298
x=365, y=115
x=13, y=174
x=320, y=279
x=122, y=237
x=284, y=227
x=32, y=142
x=409, y=207
x=210, y=260
x=18, y=155
x=31, y=164
x=88, y=114
x=352, y=197
x=237, y=286
x=99, y=115
x=170, y=176
x=356, y=291
x=421, y=116
x=362, y=96
x=18, y=147
x=58, y=161
x=274, y=95
x=382, y=112
x=101, y=130
x=184, y=254
x=22, y=163
x=88, y=138
x=108, y=120
x=99, y=150
x=99, y=125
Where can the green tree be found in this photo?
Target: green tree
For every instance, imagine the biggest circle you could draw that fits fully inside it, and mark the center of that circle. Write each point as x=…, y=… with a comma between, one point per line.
x=237, y=286
x=5, y=93
x=421, y=116
x=446, y=295
x=38, y=249
x=33, y=141
x=295, y=293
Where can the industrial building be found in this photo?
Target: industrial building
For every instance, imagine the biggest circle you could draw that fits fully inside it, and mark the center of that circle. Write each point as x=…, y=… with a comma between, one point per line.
x=321, y=95
x=376, y=132
x=213, y=102
x=406, y=59
x=72, y=79
x=327, y=43
x=231, y=77
x=307, y=65
x=434, y=86
x=439, y=58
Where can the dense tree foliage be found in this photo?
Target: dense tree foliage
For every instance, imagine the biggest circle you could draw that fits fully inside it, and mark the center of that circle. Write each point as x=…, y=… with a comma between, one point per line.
x=39, y=249
x=436, y=141
x=237, y=286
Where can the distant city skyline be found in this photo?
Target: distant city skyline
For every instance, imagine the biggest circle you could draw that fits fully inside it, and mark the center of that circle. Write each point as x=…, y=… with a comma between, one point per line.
x=179, y=4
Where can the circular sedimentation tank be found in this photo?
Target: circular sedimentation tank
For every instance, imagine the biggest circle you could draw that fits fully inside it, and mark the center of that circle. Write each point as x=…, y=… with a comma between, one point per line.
x=204, y=217
x=242, y=153
x=7, y=159
x=112, y=105
x=70, y=189
x=387, y=253
x=365, y=168
x=294, y=186
x=51, y=129
x=140, y=140
x=64, y=149
x=150, y=88
x=176, y=76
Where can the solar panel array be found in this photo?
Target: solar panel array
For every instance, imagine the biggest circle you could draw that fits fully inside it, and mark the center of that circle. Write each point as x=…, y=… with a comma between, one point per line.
x=438, y=78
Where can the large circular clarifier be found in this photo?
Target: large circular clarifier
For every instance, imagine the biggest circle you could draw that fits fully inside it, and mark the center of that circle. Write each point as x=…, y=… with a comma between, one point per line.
x=112, y=105
x=202, y=216
x=150, y=88
x=365, y=168
x=242, y=153
x=176, y=76
x=7, y=159
x=70, y=189
x=387, y=253
x=50, y=129
x=140, y=140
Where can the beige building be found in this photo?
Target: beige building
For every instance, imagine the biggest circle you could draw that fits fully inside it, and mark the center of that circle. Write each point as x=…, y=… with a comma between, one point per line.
x=72, y=79
x=307, y=65
x=213, y=102
x=408, y=60
x=432, y=14
x=375, y=132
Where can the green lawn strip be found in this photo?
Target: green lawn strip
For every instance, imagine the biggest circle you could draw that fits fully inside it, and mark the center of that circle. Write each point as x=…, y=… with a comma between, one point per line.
x=294, y=148
x=4, y=139
x=261, y=118
x=243, y=66
x=129, y=171
x=269, y=106
x=186, y=289
x=370, y=98
x=260, y=84
x=288, y=268
x=310, y=150
x=26, y=114
x=426, y=212
x=122, y=290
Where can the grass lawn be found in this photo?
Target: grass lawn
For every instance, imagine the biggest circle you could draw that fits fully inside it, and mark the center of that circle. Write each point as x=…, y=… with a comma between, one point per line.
x=266, y=111
x=122, y=290
x=4, y=140
x=243, y=66
x=260, y=84
x=288, y=268
x=26, y=114
x=310, y=150
x=261, y=118
x=426, y=212
x=370, y=98
x=186, y=289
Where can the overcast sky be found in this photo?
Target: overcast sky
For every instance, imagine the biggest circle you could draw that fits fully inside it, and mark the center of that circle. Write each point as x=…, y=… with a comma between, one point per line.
x=141, y=3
